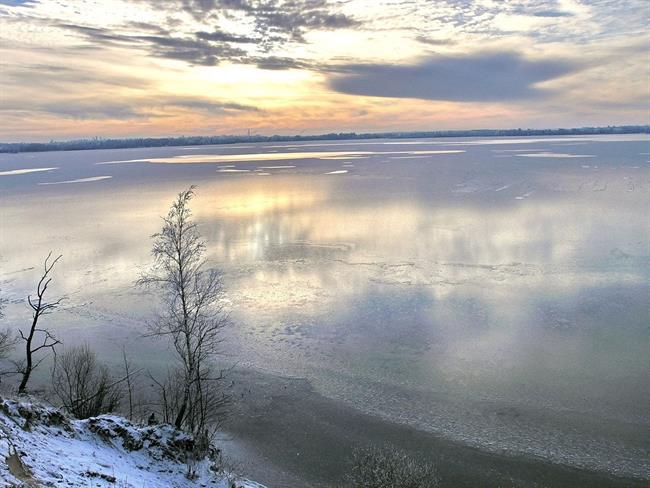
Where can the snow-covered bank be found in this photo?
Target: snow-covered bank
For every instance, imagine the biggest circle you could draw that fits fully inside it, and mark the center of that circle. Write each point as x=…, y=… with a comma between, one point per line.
x=42, y=446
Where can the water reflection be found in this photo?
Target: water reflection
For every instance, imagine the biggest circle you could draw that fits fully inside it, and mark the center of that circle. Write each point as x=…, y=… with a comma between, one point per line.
x=426, y=293
x=274, y=156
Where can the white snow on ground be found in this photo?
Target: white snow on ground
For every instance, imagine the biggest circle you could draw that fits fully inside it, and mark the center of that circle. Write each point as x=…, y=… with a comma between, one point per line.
x=41, y=446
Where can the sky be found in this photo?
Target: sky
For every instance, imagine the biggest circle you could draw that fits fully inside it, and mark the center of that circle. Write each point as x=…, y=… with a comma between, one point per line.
x=114, y=68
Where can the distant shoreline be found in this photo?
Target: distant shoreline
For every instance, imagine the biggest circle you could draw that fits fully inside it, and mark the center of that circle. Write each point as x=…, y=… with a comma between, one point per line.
x=132, y=143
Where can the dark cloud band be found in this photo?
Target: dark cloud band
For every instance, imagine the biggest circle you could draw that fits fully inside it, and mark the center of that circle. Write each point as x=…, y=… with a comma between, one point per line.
x=478, y=77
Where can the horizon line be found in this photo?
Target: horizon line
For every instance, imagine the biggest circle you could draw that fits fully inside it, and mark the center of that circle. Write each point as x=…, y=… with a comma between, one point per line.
x=100, y=142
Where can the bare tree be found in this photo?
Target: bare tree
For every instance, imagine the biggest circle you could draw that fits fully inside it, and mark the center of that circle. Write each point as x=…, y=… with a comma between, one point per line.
x=40, y=307
x=84, y=387
x=193, y=316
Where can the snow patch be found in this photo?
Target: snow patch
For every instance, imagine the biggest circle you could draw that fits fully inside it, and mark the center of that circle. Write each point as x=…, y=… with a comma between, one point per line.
x=42, y=446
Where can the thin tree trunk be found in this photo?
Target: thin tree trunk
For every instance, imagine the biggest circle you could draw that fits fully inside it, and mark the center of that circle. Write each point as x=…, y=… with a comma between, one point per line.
x=28, y=355
x=128, y=383
x=181, y=413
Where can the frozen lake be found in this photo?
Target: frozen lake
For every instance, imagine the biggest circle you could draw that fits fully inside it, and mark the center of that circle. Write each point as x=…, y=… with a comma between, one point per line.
x=494, y=291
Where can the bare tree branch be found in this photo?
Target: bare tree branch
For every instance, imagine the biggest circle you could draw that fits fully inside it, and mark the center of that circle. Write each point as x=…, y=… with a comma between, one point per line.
x=40, y=307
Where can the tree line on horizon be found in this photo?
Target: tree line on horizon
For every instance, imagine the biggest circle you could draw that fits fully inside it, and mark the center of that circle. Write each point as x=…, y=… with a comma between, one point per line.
x=127, y=143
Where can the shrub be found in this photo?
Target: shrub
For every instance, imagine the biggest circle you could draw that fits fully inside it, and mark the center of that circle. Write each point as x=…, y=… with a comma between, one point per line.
x=84, y=387
x=389, y=467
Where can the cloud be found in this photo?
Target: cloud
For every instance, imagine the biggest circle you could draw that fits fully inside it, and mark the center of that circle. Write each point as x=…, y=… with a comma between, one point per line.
x=220, y=36
x=266, y=24
x=47, y=77
x=97, y=35
x=80, y=108
x=435, y=41
x=482, y=77
x=278, y=63
x=207, y=105
x=552, y=13
x=18, y=3
x=294, y=21
x=193, y=50
x=199, y=48
x=273, y=20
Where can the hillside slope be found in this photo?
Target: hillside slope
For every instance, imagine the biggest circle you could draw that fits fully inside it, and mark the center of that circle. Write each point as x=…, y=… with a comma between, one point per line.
x=42, y=446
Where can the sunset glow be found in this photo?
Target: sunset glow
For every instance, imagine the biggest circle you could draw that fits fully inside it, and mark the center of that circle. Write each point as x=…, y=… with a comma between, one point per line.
x=179, y=67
